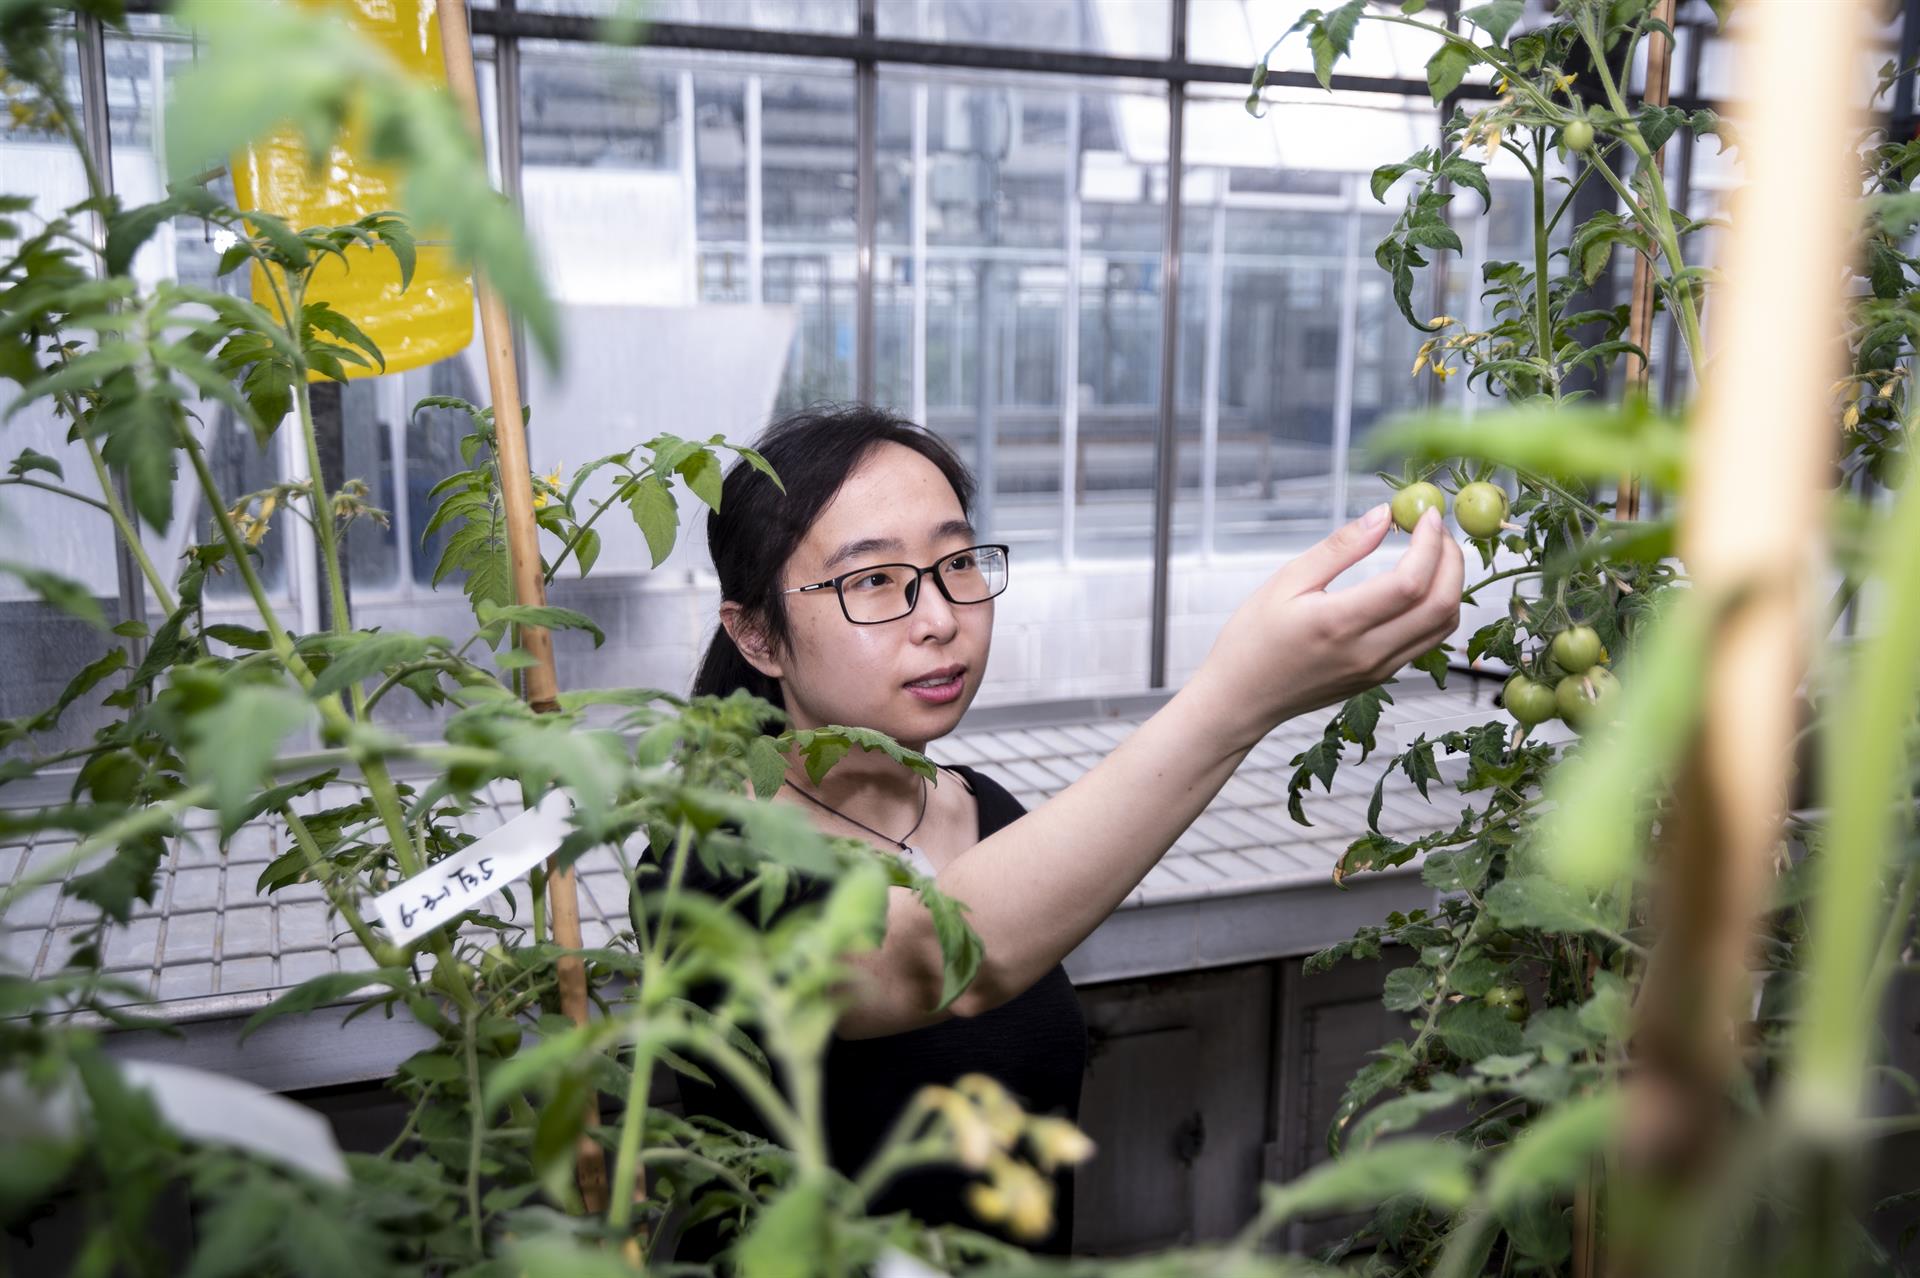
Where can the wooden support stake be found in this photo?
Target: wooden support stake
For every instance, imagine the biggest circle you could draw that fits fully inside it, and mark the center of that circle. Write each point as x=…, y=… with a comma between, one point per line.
x=529, y=583
x=1764, y=432
x=1640, y=321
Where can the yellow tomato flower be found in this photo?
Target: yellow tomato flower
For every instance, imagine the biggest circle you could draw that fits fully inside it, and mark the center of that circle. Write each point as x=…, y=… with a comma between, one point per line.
x=1056, y=1141
x=1443, y=372
x=1564, y=83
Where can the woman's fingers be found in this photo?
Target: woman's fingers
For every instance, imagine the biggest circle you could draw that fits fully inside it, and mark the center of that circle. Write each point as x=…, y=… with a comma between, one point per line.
x=1334, y=553
x=1423, y=623
x=1380, y=600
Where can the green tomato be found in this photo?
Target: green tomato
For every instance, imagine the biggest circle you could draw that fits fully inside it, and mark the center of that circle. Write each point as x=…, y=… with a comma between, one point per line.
x=387, y=954
x=1528, y=702
x=1578, y=135
x=1576, y=649
x=1414, y=501
x=454, y=979
x=1510, y=999
x=1581, y=710
x=500, y=1035
x=1481, y=509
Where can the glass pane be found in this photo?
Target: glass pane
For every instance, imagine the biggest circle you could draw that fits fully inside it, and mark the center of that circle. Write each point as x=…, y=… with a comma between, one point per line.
x=1238, y=32
x=1127, y=28
x=720, y=156
x=808, y=158
x=49, y=531
x=1384, y=346
x=432, y=446
x=820, y=289
x=1121, y=160
x=366, y=433
x=830, y=17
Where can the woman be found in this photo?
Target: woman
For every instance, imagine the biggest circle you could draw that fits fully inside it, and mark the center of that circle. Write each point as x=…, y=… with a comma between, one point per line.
x=860, y=597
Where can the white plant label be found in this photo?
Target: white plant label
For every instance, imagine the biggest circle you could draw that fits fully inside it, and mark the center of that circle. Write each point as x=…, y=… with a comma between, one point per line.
x=450, y=887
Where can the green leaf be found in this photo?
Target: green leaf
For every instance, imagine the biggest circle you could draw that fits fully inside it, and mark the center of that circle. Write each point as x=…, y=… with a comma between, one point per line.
x=1589, y=836
x=331, y=322
x=1406, y=989
x=1402, y=1112
x=332, y=987
x=654, y=511
x=960, y=947
x=63, y=593
x=558, y=1256
x=363, y=654
x=1330, y=38
x=1446, y=69
x=1496, y=18
x=432, y=1067
x=142, y=431
x=235, y=741
x=1433, y=664
x=541, y=615
x=29, y=460
x=1550, y=1155
x=759, y=463
x=1574, y=442
x=1658, y=123
x=1360, y=716
x=1609, y=1013
x=245, y=637
x=766, y=766
x=1536, y=901
x=79, y=686
x=1435, y=1172
x=702, y=472
x=1471, y=174
x=1472, y=1030
x=586, y=549
x=789, y=1237
x=1385, y=176
x=1558, y=1035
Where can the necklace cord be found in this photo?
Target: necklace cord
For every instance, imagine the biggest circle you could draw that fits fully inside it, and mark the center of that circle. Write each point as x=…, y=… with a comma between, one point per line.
x=900, y=842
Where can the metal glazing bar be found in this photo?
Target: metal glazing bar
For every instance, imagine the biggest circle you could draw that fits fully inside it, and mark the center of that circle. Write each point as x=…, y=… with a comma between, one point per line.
x=506, y=127
x=1166, y=461
x=1070, y=342
x=867, y=133
x=91, y=37
x=1345, y=346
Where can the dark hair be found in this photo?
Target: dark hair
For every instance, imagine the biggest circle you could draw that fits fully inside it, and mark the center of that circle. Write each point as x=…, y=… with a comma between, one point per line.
x=758, y=527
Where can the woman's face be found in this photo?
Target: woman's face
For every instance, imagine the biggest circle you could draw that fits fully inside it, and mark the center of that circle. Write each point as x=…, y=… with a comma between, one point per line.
x=896, y=507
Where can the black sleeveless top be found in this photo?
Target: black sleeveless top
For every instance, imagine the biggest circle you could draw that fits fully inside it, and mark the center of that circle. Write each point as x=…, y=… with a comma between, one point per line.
x=1035, y=1045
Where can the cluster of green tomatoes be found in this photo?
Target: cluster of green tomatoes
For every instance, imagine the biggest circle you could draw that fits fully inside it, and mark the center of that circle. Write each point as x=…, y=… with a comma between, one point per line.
x=1579, y=689
x=1582, y=692
x=1480, y=508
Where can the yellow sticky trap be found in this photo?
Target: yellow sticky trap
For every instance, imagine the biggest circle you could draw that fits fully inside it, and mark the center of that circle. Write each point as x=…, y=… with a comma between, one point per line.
x=433, y=317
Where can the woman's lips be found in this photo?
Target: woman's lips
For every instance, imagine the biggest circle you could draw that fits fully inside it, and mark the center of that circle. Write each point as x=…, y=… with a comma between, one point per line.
x=940, y=693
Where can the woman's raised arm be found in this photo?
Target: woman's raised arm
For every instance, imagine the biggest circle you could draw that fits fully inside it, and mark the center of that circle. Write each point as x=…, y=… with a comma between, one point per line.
x=1039, y=887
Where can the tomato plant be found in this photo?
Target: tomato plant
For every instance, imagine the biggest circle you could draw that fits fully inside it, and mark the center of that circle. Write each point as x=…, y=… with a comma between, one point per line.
x=1518, y=986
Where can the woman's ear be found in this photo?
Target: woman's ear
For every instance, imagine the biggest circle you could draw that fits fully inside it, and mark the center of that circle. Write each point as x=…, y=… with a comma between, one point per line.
x=750, y=639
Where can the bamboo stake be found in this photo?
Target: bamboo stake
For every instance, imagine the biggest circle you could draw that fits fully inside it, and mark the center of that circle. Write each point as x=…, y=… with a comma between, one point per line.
x=1640, y=322
x=1586, y=1202
x=1764, y=429
x=529, y=585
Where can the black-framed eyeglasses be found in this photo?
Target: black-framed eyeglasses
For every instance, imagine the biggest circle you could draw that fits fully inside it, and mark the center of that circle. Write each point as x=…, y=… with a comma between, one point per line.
x=888, y=592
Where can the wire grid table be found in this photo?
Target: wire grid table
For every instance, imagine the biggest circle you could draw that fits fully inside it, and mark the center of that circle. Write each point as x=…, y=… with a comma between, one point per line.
x=211, y=945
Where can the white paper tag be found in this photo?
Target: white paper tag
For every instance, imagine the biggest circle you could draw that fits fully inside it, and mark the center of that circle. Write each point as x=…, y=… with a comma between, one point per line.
x=450, y=887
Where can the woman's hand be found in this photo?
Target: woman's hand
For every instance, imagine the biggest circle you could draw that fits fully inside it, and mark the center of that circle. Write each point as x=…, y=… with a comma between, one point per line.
x=1293, y=647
